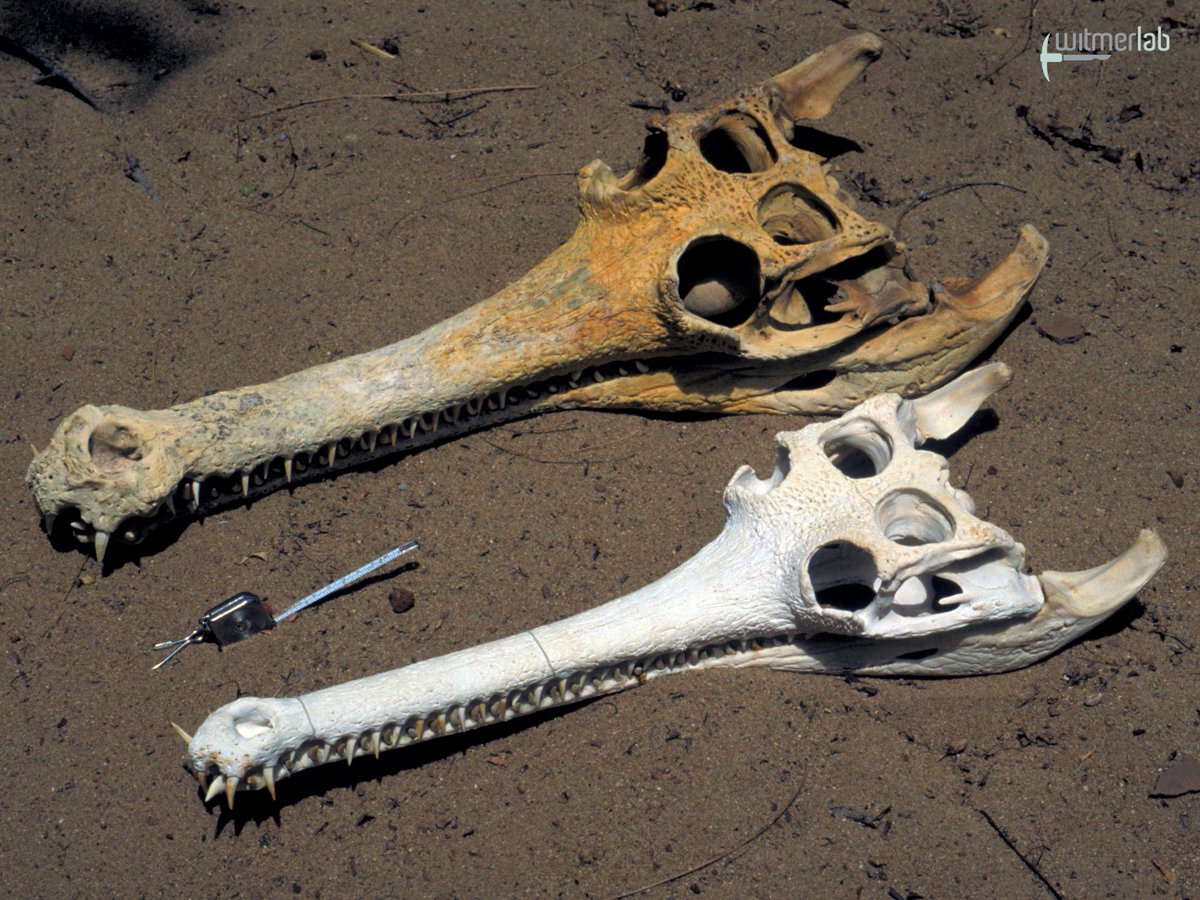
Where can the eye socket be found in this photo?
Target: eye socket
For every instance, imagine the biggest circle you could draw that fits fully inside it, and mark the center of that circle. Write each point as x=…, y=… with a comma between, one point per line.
x=912, y=519
x=738, y=144
x=793, y=215
x=843, y=576
x=858, y=449
x=719, y=280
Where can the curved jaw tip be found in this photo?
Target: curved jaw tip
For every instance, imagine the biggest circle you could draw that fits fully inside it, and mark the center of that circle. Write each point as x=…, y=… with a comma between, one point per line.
x=997, y=294
x=1093, y=594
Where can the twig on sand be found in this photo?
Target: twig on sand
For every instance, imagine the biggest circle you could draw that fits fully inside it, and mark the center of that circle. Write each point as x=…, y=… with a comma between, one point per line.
x=133, y=171
x=926, y=196
x=53, y=75
x=727, y=856
x=1021, y=856
x=410, y=96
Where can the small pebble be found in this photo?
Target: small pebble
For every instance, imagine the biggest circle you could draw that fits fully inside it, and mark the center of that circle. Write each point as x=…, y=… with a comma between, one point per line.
x=316, y=54
x=402, y=600
x=1181, y=777
x=1060, y=328
x=67, y=352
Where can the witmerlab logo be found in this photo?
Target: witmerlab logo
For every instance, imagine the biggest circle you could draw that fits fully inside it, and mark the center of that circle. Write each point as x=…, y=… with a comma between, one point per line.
x=1085, y=46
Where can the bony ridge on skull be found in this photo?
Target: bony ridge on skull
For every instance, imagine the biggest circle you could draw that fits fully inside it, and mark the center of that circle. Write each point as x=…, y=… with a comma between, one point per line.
x=856, y=555
x=728, y=272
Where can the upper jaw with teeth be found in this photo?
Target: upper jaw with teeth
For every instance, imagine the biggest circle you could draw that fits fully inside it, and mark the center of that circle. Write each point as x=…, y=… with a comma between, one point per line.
x=728, y=272
x=855, y=555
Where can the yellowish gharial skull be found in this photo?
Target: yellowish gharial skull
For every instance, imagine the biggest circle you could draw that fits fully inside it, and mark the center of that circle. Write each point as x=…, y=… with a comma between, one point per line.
x=726, y=273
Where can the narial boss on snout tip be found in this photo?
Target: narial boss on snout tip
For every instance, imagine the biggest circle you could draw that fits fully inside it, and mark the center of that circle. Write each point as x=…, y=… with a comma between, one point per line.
x=727, y=272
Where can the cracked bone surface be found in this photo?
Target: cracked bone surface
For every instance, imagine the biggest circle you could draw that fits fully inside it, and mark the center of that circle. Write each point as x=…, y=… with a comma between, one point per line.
x=856, y=555
x=726, y=273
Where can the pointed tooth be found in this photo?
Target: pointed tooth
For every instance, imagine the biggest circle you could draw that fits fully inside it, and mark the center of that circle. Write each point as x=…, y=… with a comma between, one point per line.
x=577, y=375
x=187, y=738
x=641, y=366
x=101, y=540
x=231, y=784
x=266, y=471
x=597, y=376
x=245, y=484
x=503, y=397
x=202, y=777
x=562, y=689
x=372, y=439
x=351, y=746
x=287, y=469
x=79, y=526
x=269, y=778
x=169, y=503
x=439, y=724
x=214, y=789
x=376, y=740
x=197, y=491
x=418, y=729
x=331, y=454
x=621, y=370
x=409, y=427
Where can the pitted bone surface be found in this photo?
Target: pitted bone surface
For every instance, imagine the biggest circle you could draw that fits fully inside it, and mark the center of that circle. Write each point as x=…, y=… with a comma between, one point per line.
x=728, y=272
x=855, y=555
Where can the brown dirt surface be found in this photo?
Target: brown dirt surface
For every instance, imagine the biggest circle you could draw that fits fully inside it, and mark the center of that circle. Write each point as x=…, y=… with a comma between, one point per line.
x=283, y=239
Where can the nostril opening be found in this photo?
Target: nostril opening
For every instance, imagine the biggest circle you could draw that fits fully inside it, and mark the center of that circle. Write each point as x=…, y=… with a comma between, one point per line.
x=738, y=144
x=252, y=726
x=111, y=444
x=719, y=280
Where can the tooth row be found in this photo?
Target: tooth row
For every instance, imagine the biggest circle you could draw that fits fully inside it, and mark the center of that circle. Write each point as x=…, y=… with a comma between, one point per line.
x=483, y=711
x=195, y=493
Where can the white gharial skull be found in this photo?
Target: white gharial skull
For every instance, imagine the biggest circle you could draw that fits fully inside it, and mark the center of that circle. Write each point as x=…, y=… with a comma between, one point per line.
x=855, y=555
x=728, y=272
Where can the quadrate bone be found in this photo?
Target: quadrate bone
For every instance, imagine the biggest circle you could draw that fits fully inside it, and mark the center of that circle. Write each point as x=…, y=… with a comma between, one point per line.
x=726, y=273
x=855, y=555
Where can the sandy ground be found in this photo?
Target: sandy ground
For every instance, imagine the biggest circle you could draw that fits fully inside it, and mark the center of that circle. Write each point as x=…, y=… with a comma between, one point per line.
x=288, y=239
